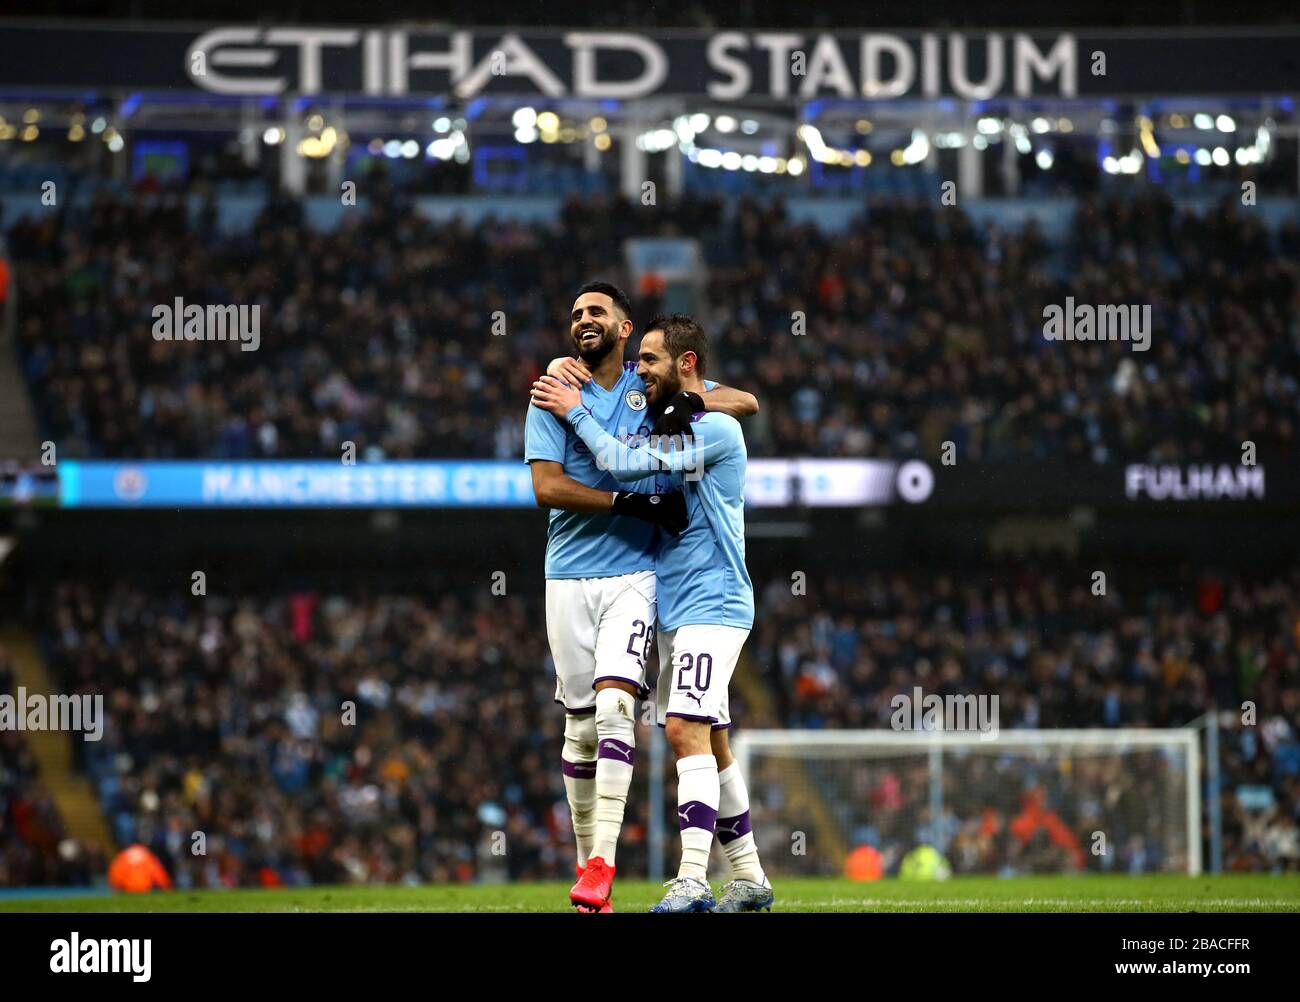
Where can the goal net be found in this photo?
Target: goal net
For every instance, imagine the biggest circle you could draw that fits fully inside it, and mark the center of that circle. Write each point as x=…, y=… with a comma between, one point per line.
x=861, y=803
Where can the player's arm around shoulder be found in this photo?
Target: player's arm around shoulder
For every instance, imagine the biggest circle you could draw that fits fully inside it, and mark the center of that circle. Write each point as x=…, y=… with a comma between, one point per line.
x=719, y=399
x=544, y=435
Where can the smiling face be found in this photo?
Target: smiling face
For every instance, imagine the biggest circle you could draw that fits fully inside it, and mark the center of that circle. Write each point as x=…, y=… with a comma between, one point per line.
x=596, y=326
x=658, y=370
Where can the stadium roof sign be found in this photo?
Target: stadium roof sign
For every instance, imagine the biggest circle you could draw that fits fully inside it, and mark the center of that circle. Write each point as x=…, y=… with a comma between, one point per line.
x=397, y=61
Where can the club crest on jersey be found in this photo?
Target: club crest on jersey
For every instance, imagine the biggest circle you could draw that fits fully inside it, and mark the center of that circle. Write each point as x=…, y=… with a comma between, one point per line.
x=635, y=399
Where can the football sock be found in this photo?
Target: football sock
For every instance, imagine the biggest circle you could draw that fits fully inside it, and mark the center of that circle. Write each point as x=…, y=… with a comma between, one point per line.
x=734, y=830
x=579, y=764
x=615, y=757
x=697, y=812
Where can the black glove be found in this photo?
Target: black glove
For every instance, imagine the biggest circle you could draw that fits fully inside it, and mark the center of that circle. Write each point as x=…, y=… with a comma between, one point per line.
x=676, y=418
x=668, y=511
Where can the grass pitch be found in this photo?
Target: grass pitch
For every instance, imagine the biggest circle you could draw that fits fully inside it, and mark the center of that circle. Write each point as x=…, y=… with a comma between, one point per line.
x=1164, y=893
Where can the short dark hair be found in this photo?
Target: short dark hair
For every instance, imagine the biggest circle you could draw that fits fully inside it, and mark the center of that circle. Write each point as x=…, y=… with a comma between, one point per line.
x=614, y=292
x=682, y=333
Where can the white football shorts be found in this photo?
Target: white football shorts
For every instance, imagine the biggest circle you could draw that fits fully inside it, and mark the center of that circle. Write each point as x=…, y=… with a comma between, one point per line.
x=599, y=628
x=695, y=668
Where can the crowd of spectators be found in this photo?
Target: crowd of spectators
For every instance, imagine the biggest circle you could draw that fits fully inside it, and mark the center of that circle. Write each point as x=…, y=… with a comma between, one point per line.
x=311, y=737
x=922, y=327
x=912, y=327
x=385, y=327
x=1156, y=654
x=409, y=734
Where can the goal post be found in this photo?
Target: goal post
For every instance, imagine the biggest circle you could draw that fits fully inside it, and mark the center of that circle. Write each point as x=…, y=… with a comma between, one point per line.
x=830, y=802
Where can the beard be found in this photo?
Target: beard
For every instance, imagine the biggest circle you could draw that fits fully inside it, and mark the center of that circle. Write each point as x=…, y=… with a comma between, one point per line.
x=596, y=353
x=665, y=389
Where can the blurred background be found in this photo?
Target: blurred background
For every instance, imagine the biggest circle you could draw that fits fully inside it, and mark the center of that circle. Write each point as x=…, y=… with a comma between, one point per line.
x=868, y=219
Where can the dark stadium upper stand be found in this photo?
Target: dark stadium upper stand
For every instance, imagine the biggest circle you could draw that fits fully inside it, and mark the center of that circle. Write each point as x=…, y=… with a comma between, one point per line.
x=928, y=328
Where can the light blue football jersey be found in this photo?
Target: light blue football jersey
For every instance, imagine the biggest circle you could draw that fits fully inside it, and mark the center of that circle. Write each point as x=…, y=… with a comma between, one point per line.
x=701, y=578
x=580, y=545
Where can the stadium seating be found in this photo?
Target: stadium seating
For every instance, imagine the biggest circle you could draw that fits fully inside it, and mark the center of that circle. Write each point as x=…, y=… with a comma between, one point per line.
x=229, y=715
x=926, y=327
x=34, y=848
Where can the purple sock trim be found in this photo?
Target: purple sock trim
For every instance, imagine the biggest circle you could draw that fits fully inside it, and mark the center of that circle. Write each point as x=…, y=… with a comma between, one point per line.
x=730, y=829
x=642, y=690
x=579, y=770
x=612, y=748
x=696, y=814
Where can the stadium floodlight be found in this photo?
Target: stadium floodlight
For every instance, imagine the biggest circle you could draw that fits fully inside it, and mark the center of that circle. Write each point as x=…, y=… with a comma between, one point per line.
x=918, y=149
x=1028, y=801
x=1263, y=138
x=442, y=149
